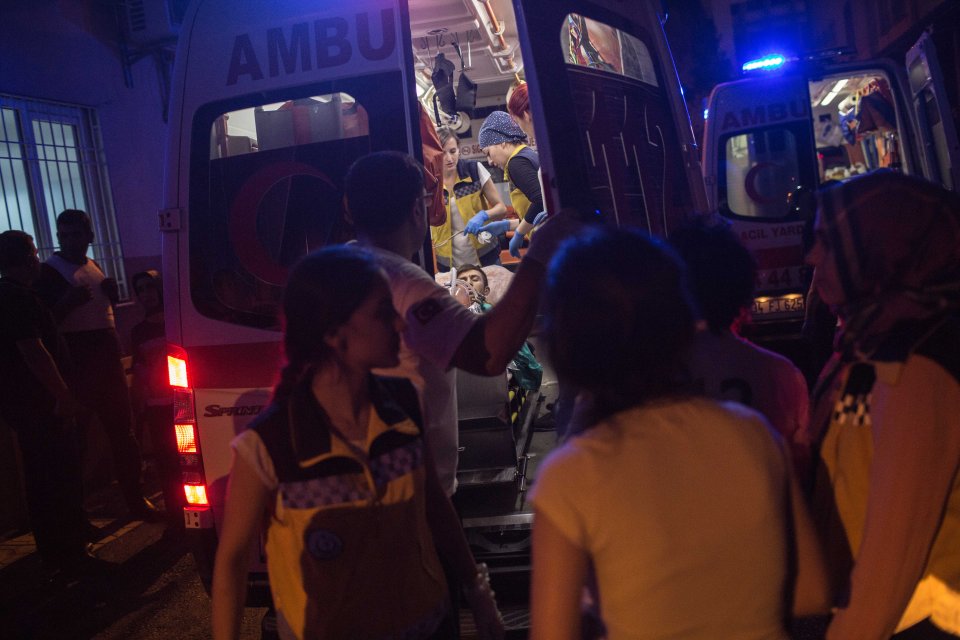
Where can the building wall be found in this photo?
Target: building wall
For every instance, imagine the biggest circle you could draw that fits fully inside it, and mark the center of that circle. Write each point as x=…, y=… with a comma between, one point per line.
x=67, y=51
x=752, y=28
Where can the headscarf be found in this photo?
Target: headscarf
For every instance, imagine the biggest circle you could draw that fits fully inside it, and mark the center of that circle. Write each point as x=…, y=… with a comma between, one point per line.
x=896, y=243
x=499, y=127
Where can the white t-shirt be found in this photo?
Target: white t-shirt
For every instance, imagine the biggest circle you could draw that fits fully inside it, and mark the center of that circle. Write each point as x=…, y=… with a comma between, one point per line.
x=682, y=507
x=730, y=368
x=436, y=325
x=96, y=313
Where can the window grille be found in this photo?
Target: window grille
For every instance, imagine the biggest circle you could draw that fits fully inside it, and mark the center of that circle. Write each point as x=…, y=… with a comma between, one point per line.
x=51, y=159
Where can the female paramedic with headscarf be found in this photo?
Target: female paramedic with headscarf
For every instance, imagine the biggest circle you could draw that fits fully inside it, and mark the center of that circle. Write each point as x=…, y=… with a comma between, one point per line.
x=887, y=494
x=503, y=141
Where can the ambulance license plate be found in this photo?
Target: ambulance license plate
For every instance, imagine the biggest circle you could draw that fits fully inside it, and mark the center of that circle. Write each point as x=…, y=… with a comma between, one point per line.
x=787, y=305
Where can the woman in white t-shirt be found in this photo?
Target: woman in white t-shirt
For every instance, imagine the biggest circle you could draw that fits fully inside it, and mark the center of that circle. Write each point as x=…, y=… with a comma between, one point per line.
x=684, y=508
x=472, y=200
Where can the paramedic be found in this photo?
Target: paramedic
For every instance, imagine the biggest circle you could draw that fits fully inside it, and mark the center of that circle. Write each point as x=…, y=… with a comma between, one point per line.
x=471, y=200
x=337, y=473
x=82, y=299
x=440, y=333
x=503, y=142
x=518, y=104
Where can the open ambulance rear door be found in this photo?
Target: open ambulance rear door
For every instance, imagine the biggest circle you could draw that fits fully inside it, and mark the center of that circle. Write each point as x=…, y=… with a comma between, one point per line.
x=271, y=103
x=612, y=129
x=940, y=148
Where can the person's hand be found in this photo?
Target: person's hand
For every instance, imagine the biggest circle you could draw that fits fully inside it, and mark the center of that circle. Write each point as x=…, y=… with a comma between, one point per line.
x=111, y=290
x=477, y=221
x=551, y=235
x=497, y=228
x=515, y=243
x=540, y=217
x=483, y=605
x=76, y=296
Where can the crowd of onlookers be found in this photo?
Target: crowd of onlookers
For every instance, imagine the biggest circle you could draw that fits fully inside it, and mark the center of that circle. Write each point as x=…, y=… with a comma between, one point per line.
x=64, y=372
x=699, y=490
x=680, y=513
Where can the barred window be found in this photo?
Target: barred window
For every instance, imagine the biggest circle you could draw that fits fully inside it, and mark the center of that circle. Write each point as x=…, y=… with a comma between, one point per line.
x=51, y=159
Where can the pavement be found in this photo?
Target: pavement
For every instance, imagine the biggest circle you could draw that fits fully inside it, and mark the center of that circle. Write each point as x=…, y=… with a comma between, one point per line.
x=141, y=570
x=118, y=537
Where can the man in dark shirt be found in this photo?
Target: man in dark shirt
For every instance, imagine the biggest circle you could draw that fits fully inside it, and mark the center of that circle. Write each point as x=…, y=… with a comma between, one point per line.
x=37, y=404
x=82, y=297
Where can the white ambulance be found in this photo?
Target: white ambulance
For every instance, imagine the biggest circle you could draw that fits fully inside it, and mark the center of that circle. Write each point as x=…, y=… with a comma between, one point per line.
x=772, y=138
x=273, y=101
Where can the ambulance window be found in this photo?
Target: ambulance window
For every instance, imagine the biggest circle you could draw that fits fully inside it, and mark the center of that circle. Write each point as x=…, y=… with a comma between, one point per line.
x=266, y=186
x=592, y=44
x=855, y=125
x=624, y=124
x=288, y=124
x=760, y=171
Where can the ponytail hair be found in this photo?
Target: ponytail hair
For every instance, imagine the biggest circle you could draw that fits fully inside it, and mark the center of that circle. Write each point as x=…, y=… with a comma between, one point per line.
x=445, y=133
x=323, y=291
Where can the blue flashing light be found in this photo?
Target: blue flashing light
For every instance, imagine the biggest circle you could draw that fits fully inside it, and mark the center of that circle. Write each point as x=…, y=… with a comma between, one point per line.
x=766, y=63
x=706, y=113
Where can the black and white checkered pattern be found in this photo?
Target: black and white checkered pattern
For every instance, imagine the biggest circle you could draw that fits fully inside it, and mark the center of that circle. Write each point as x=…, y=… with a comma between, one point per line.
x=462, y=189
x=396, y=463
x=853, y=409
x=323, y=492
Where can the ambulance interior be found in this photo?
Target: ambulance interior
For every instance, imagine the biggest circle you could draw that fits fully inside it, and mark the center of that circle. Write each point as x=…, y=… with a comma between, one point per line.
x=855, y=125
x=467, y=57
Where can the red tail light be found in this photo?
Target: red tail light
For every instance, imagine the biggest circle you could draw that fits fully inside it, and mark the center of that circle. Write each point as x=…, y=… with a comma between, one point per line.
x=196, y=494
x=186, y=438
x=188, y=441
x=177, y=372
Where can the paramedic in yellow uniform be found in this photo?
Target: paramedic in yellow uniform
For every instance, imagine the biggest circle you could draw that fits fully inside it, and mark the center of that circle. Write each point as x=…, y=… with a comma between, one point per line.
x=338, y=476
x=471, y=200
x=503, y=141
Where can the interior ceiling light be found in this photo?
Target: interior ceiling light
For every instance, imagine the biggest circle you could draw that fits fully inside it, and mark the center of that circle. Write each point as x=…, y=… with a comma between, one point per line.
x=834, y=92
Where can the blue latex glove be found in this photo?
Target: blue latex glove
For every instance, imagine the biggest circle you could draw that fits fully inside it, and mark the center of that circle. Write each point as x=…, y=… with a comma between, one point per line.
x=515, y=243
x=476, y=222
x=540, y=217
x=497, y=228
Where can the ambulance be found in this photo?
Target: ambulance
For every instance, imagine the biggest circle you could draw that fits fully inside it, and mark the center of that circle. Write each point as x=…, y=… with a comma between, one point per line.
x=790, y=125
x=272, y=102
